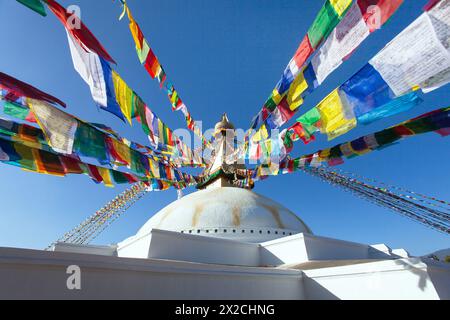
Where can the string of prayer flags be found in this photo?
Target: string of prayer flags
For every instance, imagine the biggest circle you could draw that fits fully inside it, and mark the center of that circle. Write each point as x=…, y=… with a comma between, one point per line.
x=436, y=121
x=45, y=162
x=28, y=135
x=387, y=84
x=112, y=94
x=87, y=140
x=149, y=60
x=341, y=26
x=59, y=121
x=15, y=89
x=24, y=146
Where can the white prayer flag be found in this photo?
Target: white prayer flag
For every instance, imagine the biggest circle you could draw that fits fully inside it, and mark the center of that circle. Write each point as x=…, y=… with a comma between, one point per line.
x=88, y=65
x=413, y=57
x=344, y=39
x=59, y=128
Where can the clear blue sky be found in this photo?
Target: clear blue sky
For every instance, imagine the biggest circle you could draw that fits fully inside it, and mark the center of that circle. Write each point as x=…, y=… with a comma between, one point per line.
x=222, y=56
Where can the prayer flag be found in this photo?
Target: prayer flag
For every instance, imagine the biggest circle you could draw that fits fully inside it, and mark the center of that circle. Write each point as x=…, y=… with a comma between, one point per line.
x=18, y=111
x=124, y=95
x=334, y=122
x=303, y=52
x=344, y=39
x=106, y=176
x=48, y=163
x=366, y=90
x=80, y=33
x=35, y=5
x=377, y=12
x=22, y=89
x=90, y=142
x=324, y=23
x=391, y=108
x=418, y=53
x=97, y=73
x=58, y=127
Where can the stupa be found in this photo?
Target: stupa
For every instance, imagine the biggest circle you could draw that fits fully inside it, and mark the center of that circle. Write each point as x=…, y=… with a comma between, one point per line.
x=223, y=241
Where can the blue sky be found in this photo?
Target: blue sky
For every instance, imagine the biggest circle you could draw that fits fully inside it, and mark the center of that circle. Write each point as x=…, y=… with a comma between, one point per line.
x=222, y=56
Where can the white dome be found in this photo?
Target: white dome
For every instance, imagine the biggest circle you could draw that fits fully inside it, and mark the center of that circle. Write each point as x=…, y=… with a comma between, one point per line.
x=227, y=212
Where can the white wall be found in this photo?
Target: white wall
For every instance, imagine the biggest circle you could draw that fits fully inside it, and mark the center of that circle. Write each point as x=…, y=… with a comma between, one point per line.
x=32, y=274
x=295, y=249
x=171, y=245
x=135, y=247
x=388, y=279
x=286, y=250
x=302, y=247
x=186, y=247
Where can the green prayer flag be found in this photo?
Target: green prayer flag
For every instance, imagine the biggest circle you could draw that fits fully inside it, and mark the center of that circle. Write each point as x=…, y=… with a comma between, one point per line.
x=35, y=5
x=136, y=164
x=421, y=126
x=90, y=142
x=16, y=111
x=139, y=109
x=335, y=152
x=323, y=25
x=119, y=177
x=386, y=137
x=26, y=160
x=310, y=118
x=270, y=104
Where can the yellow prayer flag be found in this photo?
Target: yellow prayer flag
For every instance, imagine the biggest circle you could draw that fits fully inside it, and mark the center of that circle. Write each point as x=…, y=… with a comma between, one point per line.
x=276, y=96
x=324, y=154
x=124, y=95
x=106, y=176
x=294, y=95
x=340, y=5
x=153, y=173
x=261, y=134
x=334, y=122
x=123, y=151
x=134, y=28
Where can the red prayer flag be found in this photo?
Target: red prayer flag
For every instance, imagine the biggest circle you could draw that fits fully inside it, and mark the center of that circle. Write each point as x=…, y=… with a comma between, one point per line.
x=82, y=34
x=377, y=12
x=335, y=161
x=151, y=63
x=303, y=52
x=131, y=178
x=444, y=132
x=403, y=131
x=71, y=165
x=285, y=110
x=18, y=88
x=94, y=173
x=430, y=5
x=113, y=152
